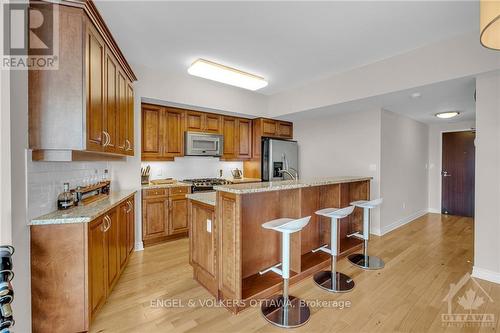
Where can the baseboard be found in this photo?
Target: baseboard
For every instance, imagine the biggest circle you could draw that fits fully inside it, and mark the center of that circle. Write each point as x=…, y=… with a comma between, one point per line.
x=485, y=274
x=434, y=210
x=402, y=222
x=139, y=246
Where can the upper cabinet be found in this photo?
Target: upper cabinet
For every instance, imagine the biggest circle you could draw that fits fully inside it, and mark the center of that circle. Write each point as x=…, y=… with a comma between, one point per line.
x=163, y=131
x=85, y=109
x=203, y=122
x=263, y=127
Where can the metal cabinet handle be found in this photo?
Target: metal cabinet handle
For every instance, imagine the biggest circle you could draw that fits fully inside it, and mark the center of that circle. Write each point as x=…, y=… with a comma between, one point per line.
x=129, y=207
x=107, y=139
x=128, y=145
x=445, y=174
x=108, y=223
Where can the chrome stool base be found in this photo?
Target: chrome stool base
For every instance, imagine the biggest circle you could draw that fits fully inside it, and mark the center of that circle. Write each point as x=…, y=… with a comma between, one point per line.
x=366, y=262
x=276, y=312
x=341, y=284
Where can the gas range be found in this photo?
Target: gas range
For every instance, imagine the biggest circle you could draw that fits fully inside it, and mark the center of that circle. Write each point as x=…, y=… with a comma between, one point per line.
x=205, y=184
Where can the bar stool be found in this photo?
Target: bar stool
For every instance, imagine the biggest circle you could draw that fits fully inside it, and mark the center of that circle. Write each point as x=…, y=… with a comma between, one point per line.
x=363, y=260
x=285, y=310
x=333, y=280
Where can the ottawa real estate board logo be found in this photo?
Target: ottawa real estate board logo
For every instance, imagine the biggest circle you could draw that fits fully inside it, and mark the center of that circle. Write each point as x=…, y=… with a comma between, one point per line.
x=30, y=33
x=467, y=305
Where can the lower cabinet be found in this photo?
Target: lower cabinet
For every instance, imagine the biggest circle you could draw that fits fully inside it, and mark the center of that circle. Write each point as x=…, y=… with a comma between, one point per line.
x=74, y=267
x=164, y=214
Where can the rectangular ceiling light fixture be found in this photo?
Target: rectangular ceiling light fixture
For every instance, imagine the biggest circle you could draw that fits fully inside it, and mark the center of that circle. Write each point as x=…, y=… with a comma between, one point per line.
x=216, y=72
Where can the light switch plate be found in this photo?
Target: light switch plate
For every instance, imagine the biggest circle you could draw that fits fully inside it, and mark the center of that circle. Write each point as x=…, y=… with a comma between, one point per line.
x=209, y=226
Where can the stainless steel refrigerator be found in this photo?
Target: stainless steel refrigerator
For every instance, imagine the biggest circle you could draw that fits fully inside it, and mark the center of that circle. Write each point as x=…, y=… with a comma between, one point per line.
x=278, y=155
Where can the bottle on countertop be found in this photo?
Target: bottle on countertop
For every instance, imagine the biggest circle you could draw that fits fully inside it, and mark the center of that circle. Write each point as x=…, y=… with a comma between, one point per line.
x=66, y=199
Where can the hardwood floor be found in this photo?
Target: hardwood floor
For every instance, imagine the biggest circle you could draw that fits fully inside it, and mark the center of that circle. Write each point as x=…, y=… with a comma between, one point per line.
x=422, y=259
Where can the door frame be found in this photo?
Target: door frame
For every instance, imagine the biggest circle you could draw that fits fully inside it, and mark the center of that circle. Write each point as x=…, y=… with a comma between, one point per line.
x=440, y=166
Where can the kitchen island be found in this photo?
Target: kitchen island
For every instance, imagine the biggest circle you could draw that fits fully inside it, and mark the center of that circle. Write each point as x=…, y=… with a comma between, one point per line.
x=229, y=246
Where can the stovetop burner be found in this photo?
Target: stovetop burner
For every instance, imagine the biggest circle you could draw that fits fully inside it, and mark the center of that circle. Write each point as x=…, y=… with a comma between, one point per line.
x=206, y=184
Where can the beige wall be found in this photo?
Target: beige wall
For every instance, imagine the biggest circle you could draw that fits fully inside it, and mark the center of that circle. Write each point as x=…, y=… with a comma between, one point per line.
x=435, y=150
x=346, y=144
x=487, y=210
x=403, y=170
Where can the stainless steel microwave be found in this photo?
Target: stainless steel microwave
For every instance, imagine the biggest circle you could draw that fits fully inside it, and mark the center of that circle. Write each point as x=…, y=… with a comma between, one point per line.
x=203, y=144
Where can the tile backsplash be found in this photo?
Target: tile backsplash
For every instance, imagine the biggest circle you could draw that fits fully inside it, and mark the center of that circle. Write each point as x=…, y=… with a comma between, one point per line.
x=192, y=167
x=45, y=181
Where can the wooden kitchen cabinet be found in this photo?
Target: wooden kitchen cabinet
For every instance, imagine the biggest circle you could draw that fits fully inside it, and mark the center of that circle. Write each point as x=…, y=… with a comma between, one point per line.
x=263, y=127
x=93, y=81
x=164, y=214
x=244, y=139
x=178, y=222
x=162, y=133
x=131, y=226
x=155, y=218
x=203, y=122
x=112, y=230
x=95, y=66
x=97, y=264
x=229, y=132
x=84, y=258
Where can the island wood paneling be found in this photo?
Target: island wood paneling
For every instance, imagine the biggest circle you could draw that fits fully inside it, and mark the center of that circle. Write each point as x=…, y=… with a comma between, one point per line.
x=245, y=247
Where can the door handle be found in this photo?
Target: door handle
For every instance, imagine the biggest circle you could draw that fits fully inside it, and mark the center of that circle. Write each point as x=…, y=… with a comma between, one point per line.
x=445, y=174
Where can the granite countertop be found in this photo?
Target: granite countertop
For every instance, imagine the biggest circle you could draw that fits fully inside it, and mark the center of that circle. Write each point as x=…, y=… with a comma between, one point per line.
x=84, y=214
x=244, y=180
x=286, y=184
x=176, y=184
x=203, y=197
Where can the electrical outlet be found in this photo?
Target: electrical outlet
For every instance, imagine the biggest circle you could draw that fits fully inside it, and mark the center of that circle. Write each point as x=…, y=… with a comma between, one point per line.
x=209, y=225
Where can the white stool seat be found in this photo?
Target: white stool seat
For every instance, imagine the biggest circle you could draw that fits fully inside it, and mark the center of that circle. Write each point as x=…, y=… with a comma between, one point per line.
x=337, y=213
x=286, y=225
x=367, y=204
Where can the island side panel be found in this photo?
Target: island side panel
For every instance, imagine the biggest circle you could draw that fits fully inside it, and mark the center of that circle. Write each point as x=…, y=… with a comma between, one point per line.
x=228, y=215
x=58, y=278
x=203, y=243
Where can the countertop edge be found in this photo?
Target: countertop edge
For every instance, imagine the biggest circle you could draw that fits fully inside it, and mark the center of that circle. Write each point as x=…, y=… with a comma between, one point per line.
x=287, y=186
x=82, y=219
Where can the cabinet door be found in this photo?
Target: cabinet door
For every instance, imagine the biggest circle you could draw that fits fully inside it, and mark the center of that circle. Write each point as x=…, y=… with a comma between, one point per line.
x=121, y=88
x=155, y=218
x=285, y=130
x=269, y=127
x=229, y=132
x=131, y=227
x=97, y=264
x=95, y=64
x=130, y=119
x=178, y=214
x=174, y=132
x=212, y=123
x=152, y=139
x=111, y=115
x=195, y=121
x=123, y=233
x=112, y=247
x=244, y=138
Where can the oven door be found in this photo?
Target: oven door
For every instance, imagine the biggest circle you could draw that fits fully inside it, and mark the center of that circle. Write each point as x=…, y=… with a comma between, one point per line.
x=203, y=144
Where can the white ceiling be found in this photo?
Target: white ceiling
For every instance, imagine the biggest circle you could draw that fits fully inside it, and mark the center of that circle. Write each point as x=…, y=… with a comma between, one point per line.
x=288, y=43
x=454, y=95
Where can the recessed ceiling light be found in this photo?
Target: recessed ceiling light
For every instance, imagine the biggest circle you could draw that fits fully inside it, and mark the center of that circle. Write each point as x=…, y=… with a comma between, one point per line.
x=447, y=115
x=220, y=73
x=416, y=95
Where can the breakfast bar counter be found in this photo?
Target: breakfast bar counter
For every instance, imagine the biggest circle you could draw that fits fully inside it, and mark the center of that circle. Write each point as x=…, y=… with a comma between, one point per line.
x=242, y=247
